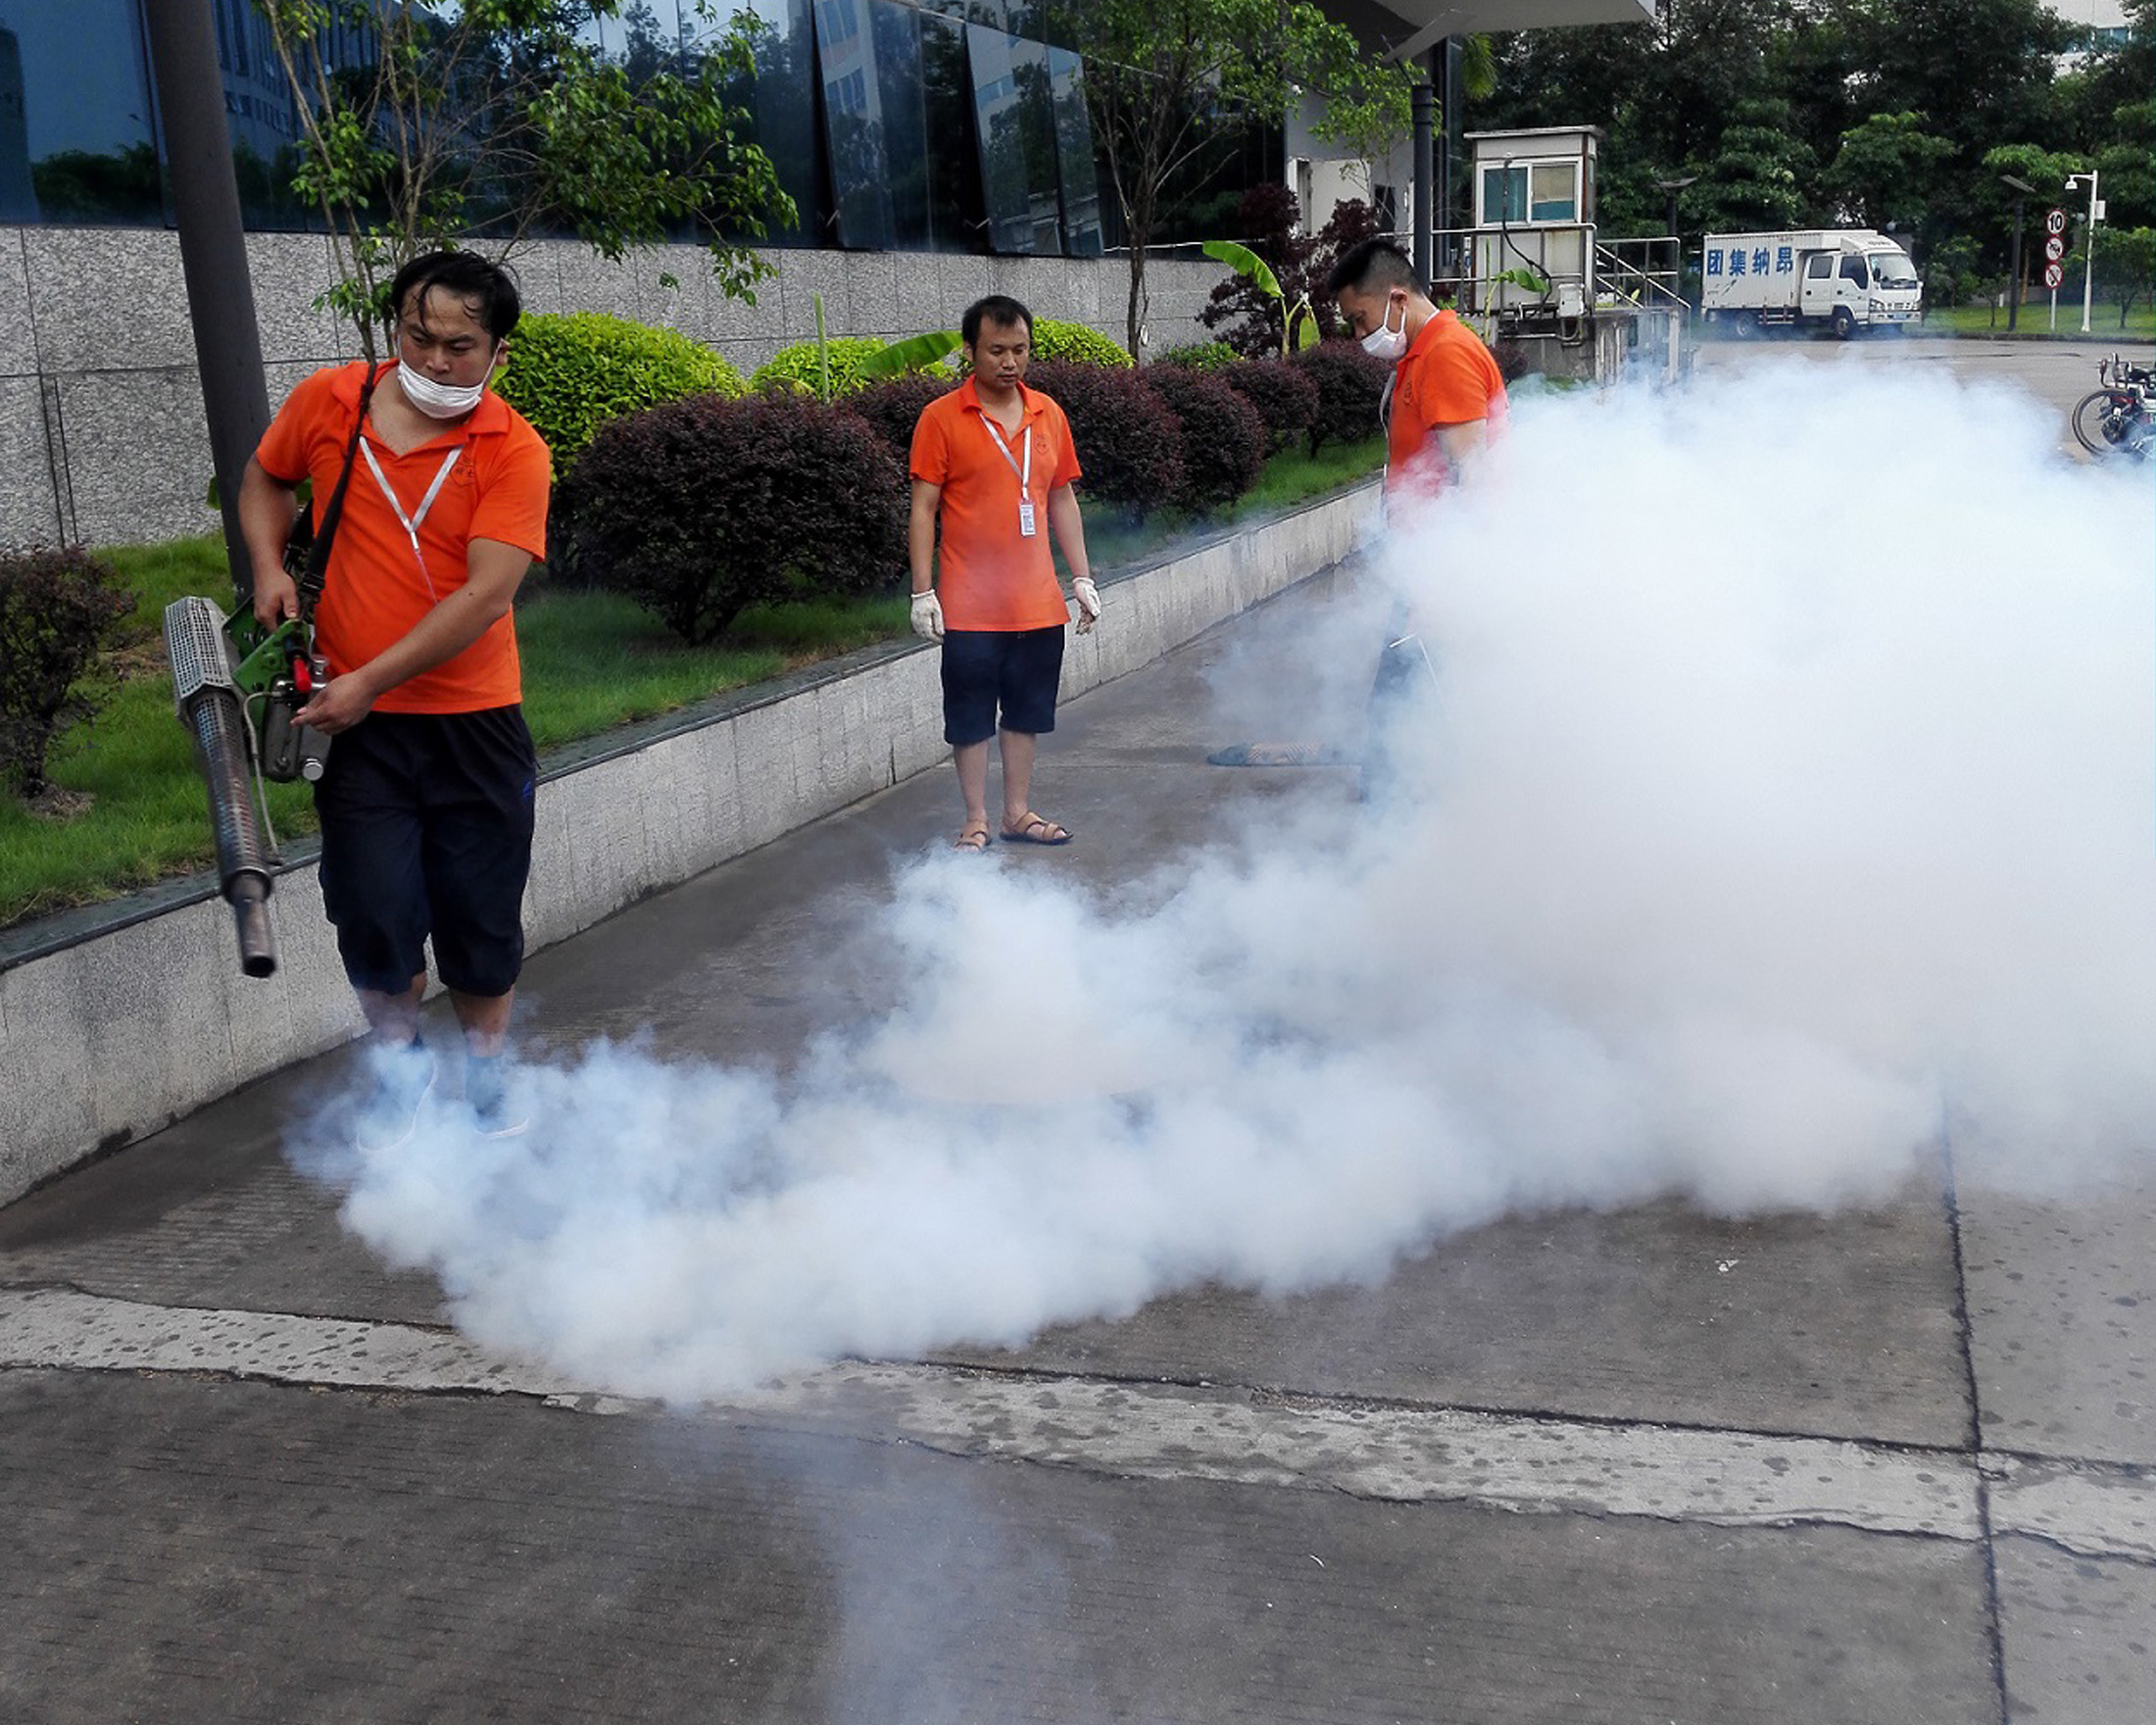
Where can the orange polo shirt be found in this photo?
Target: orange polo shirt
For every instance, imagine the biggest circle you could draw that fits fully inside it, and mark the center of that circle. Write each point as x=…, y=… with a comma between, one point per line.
x=990, y=575
x=1446, y=377
x=377, y=588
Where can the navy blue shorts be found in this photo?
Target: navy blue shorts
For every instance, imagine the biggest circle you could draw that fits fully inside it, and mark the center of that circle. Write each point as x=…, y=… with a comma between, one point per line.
x=1016, y=670
x=426, y=821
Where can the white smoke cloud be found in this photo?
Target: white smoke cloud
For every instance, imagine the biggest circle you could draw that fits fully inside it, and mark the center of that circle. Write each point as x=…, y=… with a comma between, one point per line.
x=1791, y=801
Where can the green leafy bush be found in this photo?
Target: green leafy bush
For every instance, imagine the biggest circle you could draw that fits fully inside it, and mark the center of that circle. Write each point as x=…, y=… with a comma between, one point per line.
x=1054, y=339
x=1283, y=394
x=701, y=508
x=59, y=612
x=569, y=373
x=1350, y=386
x=1199, y=355
x=1129, y=440
x=799, y=369
x=1224, y=440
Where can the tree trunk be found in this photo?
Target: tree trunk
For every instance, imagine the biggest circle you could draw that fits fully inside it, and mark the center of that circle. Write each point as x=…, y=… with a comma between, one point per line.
x=1133, y=311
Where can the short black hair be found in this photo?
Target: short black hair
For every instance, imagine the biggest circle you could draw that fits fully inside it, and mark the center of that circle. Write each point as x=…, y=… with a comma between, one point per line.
x=1376, y=265
x=487, y=289
x=997, y=308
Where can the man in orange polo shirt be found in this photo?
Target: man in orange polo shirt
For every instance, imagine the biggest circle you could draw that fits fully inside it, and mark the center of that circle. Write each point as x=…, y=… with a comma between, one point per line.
x=1444, y=406
x=993, y=462
x=426, y=801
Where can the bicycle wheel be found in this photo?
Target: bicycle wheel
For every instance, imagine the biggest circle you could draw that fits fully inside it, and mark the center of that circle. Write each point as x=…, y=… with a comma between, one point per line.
x=2103, y=429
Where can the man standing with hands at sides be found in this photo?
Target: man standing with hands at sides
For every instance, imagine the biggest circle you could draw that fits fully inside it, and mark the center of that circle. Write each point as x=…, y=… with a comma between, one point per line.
x=1444, y=406
x=426, y=800
x=993, y=462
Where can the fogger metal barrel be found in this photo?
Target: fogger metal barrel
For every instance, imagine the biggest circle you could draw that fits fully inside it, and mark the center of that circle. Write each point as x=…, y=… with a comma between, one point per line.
x=209, y=704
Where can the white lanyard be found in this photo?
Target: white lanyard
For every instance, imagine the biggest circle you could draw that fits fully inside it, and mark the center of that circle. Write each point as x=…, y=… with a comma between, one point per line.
x=410, y=523
x=1025, y=473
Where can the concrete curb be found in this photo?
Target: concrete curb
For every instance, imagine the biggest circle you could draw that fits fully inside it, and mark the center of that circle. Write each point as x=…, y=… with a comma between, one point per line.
x=117, y=1021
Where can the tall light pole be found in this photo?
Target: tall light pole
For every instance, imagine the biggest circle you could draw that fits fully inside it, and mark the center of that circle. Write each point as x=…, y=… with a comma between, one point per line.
x=2022, y=190
x=2088, y=267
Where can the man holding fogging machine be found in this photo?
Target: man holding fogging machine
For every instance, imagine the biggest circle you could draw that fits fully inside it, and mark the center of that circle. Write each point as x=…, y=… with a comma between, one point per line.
x=426, y=801
x=1444, y=406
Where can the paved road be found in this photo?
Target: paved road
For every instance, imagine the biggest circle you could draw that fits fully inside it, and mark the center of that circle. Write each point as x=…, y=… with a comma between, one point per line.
x=1891, y=1464
x=2058, y=372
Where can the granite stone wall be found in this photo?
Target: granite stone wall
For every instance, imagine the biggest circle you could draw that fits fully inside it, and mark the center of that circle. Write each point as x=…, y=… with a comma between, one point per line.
x=102, y=435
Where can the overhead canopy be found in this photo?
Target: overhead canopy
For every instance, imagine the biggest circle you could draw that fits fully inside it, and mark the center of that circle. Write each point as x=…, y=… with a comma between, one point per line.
x=1411, y=26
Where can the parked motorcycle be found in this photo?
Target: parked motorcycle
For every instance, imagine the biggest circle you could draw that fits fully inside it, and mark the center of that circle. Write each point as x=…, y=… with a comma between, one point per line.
x=2117, y=418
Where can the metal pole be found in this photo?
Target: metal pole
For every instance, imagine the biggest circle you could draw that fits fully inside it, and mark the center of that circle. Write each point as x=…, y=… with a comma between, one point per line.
x=212, y=251
x=1451, y=57
x=2088, y=267
x=1424, y=120
x=2013, y=293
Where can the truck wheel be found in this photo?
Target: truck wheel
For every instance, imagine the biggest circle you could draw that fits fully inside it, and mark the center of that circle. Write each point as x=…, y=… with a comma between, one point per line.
x=1845, y=323
x=1745, y=327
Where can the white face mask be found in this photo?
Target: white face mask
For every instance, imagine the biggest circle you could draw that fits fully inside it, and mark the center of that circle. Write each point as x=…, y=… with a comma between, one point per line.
x=438, y=401
x=1384, y=342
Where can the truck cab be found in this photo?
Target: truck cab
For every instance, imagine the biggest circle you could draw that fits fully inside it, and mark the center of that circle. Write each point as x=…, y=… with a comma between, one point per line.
x=1853, y=290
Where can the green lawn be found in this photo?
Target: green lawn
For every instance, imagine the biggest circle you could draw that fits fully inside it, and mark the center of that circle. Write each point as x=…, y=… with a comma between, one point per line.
x=2034, y=322
x=592, y=662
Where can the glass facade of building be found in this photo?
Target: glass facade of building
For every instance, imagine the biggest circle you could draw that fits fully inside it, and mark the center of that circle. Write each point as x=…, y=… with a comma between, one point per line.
x=894, y=124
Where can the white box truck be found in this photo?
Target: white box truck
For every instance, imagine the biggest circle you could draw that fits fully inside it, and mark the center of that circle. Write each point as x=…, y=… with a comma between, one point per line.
x=1847, y=279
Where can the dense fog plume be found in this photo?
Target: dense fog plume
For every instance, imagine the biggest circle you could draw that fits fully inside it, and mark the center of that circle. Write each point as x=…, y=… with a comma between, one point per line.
x=1788, y=806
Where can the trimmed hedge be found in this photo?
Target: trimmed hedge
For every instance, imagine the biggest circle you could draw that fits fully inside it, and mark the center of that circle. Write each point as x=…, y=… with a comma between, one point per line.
x=59, y=610
x=1223, y=438
x=1129, y=440
x=569, y=373
x=893, y=408
x=1054, y=339
x=702, y=508
x=798, y=368
x=1199, y=355
x=1350, y=385
x=1285, y=397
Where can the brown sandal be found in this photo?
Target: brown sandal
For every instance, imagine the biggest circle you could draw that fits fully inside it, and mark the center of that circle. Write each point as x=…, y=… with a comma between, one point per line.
x=1036, y=829
x=972, y=838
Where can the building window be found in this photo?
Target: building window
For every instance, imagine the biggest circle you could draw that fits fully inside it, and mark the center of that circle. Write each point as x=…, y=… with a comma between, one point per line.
x=1532, y=191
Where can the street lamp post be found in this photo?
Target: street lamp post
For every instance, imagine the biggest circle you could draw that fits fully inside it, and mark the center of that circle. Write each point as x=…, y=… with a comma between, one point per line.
x=2022, y=190
x=2089, y=266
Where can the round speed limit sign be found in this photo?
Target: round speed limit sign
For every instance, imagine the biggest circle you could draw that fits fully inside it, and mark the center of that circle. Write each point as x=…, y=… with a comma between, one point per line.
x=2053, y=274
x=2054, y=221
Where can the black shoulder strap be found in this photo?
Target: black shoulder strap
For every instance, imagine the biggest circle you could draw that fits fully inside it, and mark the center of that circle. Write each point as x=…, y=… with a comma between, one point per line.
x=317, y=571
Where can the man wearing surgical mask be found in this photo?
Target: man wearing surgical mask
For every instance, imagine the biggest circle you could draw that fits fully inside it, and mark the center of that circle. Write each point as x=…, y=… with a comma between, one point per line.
x=1444, y=406
x=427, y=798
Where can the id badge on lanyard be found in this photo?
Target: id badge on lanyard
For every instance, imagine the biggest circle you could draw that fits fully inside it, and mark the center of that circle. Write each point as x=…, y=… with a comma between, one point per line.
x=1026, y=526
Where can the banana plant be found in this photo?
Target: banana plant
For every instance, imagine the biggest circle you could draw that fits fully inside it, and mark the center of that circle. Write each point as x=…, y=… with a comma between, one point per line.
x=916, y=353
x=1298, y=322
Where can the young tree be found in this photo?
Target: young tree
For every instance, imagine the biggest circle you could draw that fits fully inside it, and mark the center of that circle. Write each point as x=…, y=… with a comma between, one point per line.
x=487, y=118
x=2126, y=266
x=1158, y=71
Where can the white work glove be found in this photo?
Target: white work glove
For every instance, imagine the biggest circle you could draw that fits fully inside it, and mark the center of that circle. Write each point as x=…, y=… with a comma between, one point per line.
x=1087, y=597
x=928, y=615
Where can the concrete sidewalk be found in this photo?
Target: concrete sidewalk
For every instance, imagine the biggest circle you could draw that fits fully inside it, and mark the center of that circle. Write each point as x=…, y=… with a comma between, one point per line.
x=1892, y=1465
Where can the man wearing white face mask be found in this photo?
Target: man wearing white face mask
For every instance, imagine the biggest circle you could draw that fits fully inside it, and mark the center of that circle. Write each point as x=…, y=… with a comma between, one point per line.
x=426, y=803
x=1444, y=406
